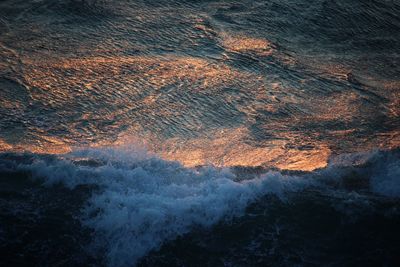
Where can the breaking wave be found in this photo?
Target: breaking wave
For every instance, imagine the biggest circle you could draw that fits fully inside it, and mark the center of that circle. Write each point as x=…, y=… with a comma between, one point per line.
x=140, y=201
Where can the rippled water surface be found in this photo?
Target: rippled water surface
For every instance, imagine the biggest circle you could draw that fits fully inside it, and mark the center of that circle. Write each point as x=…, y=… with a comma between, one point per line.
x=134, y=98
x=254, y=82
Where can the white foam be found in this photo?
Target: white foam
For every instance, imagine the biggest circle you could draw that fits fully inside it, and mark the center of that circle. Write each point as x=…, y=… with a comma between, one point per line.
x=145, y=201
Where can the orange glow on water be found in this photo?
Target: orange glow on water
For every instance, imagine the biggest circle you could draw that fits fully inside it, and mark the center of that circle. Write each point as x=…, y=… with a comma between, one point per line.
x=4, y=146
x=239, y=43
x=141, y=83
x=228, y=148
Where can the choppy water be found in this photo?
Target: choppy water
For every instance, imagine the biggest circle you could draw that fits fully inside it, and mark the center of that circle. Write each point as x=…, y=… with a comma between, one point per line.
x=110, y=111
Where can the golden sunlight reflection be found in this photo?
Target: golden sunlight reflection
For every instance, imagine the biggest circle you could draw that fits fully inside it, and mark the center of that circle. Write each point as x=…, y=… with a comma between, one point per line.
x=168, y=101
x=242, y=43
x=124, y=75
x=42, y=145
x=222, y=148
x=4, y=146
x=228, y=148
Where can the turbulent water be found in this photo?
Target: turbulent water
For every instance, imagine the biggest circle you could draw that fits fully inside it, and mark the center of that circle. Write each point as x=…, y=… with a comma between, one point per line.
x=199, y=133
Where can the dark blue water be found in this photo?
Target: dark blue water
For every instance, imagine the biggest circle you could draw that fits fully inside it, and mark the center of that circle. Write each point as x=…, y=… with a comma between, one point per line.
x=192, y=133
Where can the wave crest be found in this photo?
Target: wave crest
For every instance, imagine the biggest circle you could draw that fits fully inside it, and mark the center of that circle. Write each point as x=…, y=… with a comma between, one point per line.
x=141, y=201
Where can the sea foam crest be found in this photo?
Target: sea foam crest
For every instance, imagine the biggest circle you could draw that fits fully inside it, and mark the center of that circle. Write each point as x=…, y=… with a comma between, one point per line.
x=143, y=201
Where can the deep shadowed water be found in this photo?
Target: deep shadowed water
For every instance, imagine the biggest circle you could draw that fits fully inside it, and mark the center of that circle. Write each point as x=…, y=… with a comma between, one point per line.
x=199, y=133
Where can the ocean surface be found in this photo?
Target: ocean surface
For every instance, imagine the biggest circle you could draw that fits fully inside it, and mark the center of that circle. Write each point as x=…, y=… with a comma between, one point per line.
x=199, y=133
